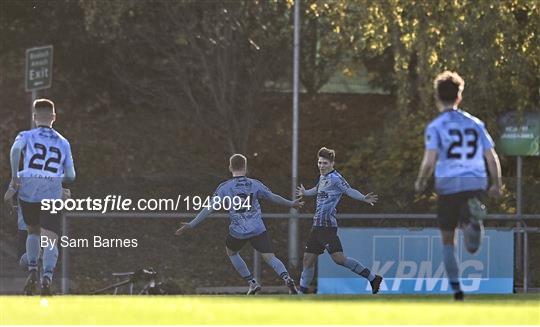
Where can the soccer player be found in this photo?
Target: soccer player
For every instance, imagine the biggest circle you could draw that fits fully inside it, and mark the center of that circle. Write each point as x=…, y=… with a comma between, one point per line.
x=15, y=209
x=246, y=223
x=323, y=235
x=21, y=248
x=47, y=164
x=458, y=146
x=22, y=233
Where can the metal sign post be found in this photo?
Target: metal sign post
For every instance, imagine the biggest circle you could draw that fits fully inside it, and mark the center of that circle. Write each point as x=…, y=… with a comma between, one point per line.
x=519, y=240
x=520, y=137
x=38, y=73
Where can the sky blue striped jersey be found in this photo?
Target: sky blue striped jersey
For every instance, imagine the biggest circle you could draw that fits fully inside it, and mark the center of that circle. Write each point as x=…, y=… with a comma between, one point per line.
x=460, y=140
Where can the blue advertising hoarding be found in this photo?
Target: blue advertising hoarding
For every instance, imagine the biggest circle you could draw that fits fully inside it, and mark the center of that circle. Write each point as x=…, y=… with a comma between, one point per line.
x=411, y=262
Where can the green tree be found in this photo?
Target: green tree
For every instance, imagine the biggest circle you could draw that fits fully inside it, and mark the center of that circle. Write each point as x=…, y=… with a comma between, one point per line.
x=494, y=46
x=208, y=60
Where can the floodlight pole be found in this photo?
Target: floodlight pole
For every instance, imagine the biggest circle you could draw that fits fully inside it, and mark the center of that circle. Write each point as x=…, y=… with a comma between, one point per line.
x=293, y=221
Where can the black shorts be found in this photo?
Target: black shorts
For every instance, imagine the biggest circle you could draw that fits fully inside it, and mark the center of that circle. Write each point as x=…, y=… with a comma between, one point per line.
x=453, y=209
x=34, y=216
x=323, y=238
x=260, y=243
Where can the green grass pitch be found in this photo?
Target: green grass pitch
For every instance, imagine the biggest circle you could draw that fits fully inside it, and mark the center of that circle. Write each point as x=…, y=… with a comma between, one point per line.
x=267, y=310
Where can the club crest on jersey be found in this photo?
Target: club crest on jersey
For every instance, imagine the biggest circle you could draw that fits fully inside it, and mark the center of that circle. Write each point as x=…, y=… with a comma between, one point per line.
x=322, y=195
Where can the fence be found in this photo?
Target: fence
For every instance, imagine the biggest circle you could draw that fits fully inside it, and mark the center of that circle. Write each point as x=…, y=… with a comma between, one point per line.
x=522, y=228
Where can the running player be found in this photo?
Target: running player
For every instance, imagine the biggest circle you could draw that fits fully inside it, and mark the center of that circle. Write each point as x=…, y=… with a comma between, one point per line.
x=246, y=223
x=21, y=238
x=323, y=235
x=458, y=146
x=47, y=164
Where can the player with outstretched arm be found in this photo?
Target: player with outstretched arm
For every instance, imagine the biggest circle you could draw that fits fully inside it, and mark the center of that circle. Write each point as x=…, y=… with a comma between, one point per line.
x=246, y=223
x=323, y=235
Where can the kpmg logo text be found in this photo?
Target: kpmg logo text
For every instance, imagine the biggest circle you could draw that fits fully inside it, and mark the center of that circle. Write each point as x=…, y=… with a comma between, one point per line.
x=415, y=262
x=411, y=261
x=425, y=276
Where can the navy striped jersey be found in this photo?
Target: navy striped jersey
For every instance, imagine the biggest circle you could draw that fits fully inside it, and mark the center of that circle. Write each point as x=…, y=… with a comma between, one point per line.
x=329, y=190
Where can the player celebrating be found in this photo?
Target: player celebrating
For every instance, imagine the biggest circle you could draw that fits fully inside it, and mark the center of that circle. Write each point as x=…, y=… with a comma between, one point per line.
x=47, y=164
x=323, y=234
x=456, y=145
x=246, y=222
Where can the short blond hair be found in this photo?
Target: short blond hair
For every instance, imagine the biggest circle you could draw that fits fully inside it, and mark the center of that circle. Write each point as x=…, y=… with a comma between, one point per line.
x=43, y=105
x=238, y=162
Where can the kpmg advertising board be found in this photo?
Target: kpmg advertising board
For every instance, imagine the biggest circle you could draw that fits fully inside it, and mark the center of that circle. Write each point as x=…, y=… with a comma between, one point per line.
x=411, y=262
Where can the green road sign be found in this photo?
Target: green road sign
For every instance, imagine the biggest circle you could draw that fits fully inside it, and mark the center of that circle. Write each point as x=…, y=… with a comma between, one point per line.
x=520, y=134
x=39, y=68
